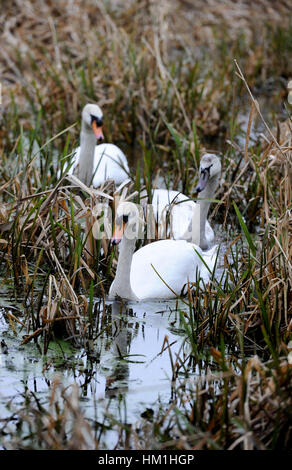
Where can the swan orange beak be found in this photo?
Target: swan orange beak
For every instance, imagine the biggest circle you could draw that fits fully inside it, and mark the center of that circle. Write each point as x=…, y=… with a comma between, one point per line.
x=118, y=233
x=97, y=131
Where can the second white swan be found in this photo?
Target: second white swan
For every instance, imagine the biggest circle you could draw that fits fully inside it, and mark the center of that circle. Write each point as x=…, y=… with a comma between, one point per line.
x=183, y=218
x=94, y=164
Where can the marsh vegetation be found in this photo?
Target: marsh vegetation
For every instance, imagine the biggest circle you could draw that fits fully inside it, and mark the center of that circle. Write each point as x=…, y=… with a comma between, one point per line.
x=175, y=79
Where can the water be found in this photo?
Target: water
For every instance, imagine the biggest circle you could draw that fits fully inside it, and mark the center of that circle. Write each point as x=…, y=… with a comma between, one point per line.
x=129, y=363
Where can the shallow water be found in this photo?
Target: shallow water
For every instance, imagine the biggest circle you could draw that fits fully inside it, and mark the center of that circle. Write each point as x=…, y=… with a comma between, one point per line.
x=127, y=371
x=129, y=363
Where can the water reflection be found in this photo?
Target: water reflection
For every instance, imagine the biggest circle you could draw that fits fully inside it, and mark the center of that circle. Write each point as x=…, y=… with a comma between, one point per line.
x=129, y=361
x=136, y=350
x=133, y=360
x=117, y=379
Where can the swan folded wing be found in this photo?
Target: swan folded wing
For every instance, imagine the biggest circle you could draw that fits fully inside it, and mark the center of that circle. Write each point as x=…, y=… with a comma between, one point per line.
x=178, y=217
x=74, y=161
x=209, y=233
x=161, y=269
x=183, y=224
x=109, y=163
x=173, y=212
x=209, y=257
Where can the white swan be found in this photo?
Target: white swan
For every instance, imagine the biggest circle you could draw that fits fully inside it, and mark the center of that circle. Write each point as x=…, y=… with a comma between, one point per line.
x=181, y=217
x=175, y=261
x=94, y=164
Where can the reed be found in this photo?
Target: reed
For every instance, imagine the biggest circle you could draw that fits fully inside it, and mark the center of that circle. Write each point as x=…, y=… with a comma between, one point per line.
x=168, y=94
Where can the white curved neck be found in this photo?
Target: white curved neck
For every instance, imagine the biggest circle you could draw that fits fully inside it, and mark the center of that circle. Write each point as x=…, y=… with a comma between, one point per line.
x=121, y=285
x=86, y=156
x=207, y=193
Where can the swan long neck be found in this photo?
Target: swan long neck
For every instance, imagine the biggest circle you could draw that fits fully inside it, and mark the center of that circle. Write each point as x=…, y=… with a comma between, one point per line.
x=87, y=148
x=121, y=285
x=207, y=193
x=196, y=234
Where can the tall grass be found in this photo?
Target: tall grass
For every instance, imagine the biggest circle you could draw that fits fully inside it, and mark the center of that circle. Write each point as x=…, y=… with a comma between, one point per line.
x=167, y=97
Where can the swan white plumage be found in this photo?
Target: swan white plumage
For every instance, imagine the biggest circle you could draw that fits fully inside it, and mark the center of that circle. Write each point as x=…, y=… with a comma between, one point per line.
x=179, y=216
x=158, y=270
x=94, y=164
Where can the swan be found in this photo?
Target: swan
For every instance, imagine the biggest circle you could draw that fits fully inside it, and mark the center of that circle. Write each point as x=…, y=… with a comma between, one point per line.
x=94, y=164
x=187, y=219
x=144, y=274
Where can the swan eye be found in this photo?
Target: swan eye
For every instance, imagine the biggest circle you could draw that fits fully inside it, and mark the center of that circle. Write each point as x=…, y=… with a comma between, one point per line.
x=96, y=119
x=125, y=218
x=207, y=170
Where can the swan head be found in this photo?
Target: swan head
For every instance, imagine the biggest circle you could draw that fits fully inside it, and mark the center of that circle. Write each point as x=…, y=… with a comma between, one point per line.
x=210, y=169
x=92, y=120
x=128, y=222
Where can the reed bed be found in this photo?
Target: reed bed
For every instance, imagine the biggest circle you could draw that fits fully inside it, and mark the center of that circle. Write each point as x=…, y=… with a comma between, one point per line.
x=170, y=89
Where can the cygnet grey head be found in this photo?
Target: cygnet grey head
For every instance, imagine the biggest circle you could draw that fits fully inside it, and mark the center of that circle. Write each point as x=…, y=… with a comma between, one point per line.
x=210, y=168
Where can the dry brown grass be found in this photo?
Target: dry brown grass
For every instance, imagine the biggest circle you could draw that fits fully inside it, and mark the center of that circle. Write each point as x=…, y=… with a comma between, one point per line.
x=149, y=65
x=47, y=46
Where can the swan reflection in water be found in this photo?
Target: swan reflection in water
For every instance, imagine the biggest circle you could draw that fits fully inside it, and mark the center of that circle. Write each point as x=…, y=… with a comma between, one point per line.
x=131, y=359
x=123, y=329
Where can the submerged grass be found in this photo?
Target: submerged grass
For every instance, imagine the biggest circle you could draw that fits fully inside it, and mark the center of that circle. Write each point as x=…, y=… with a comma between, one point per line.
x=169, y=92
